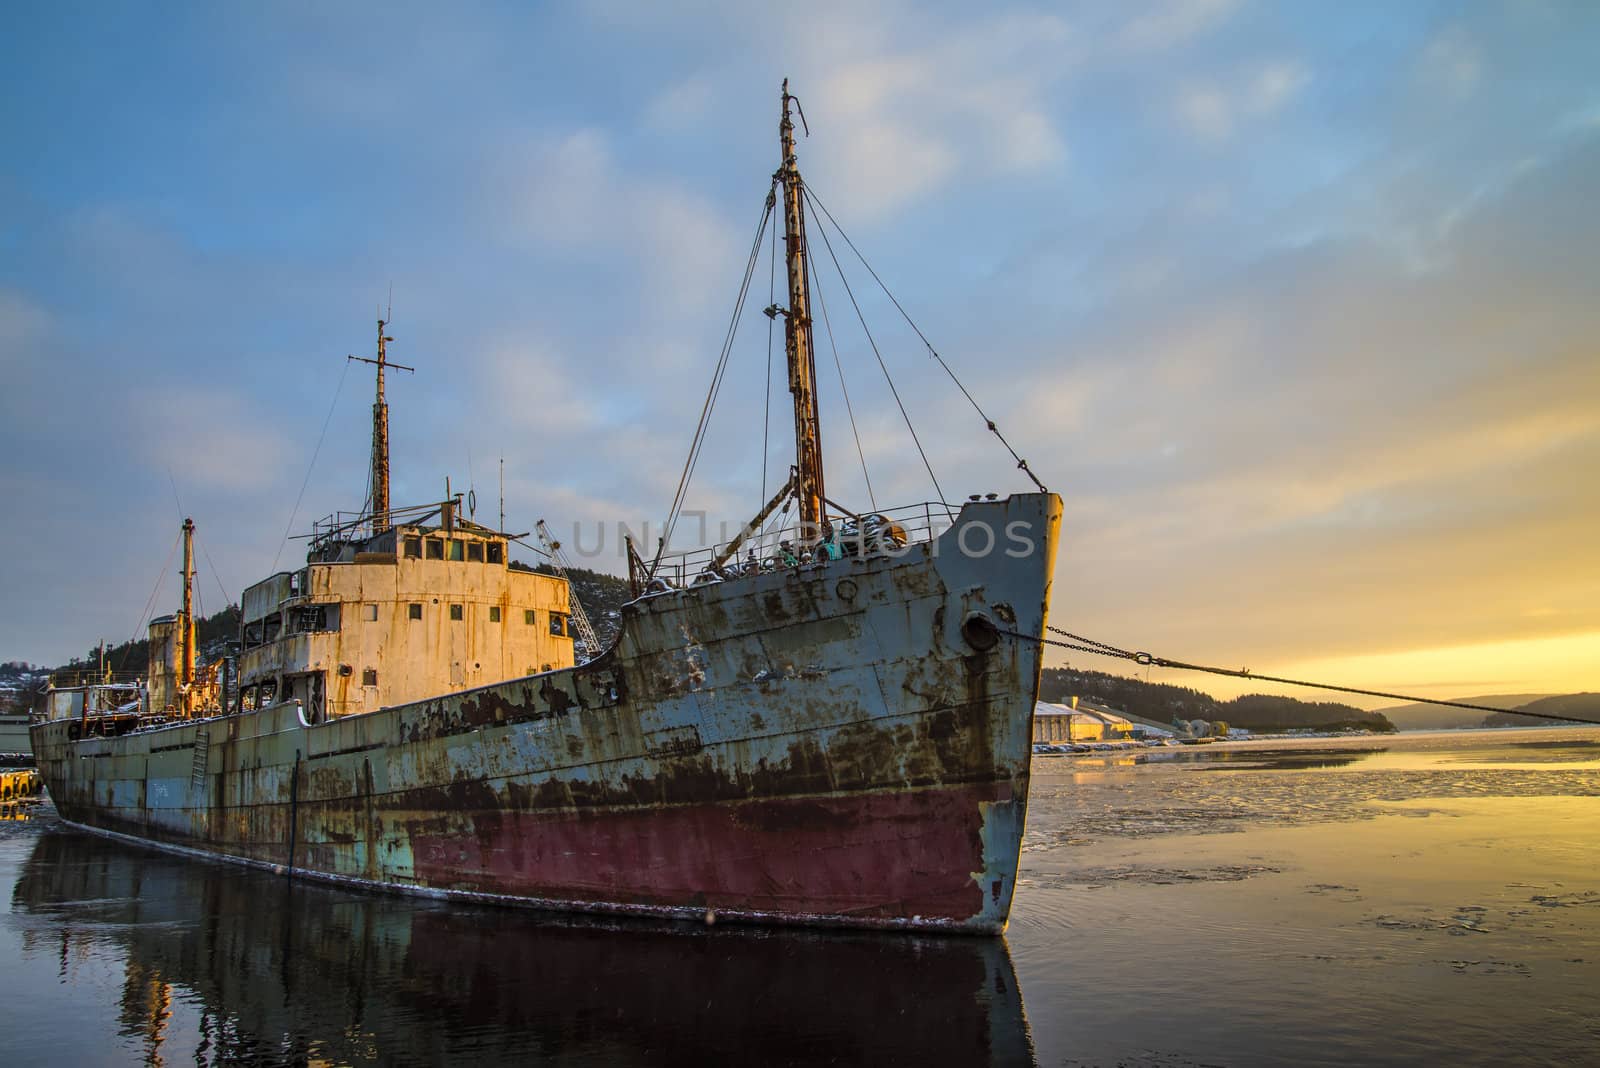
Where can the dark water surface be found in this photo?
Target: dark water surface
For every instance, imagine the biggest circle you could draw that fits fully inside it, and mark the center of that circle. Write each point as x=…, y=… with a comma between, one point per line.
x=1426, y=899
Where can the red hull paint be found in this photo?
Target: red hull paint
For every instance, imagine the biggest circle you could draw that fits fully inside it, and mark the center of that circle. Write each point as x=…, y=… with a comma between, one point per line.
x=865, y=856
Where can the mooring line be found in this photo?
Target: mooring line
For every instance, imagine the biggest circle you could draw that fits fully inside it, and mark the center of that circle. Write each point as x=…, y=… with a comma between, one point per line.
x=1099, y=648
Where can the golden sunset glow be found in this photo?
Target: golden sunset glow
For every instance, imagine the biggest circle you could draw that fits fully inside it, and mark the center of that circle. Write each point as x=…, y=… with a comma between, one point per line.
x=1557, y=664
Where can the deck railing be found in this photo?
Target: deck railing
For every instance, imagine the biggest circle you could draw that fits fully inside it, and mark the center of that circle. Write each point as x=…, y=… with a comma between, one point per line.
x=93, y=677
x=889, y=532
x=357, y=526
x=341, y=527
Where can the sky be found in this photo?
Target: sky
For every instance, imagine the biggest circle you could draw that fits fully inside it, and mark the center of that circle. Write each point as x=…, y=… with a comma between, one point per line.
x=1296, y=305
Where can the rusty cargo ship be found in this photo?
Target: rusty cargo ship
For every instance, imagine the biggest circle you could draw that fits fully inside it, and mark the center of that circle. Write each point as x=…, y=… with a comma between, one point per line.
x=826, y=722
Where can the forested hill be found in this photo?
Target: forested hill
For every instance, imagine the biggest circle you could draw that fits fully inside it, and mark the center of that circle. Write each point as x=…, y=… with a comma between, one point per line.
x=212, y=635
x=22, y=685
x=602, y=597
x=1161, y=702
x=1577, y=705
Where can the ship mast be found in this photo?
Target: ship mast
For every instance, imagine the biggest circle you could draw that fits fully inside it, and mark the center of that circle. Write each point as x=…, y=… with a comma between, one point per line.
x=380, y=435
x=808, y=489
x=186, y=634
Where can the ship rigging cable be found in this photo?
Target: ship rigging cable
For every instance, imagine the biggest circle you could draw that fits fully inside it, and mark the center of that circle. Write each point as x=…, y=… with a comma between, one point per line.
x=823, y=230
x=1022, y=464
x=697, y=444
x=716, y=378
x=1099, y=648
x=226, y=600
x=822, y=305
x=150, y=602
x=310, y=467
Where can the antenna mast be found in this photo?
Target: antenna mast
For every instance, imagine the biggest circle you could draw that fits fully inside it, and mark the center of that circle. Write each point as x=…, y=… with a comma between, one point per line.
x=186, y=635
x=380, y=435
x=808, y=489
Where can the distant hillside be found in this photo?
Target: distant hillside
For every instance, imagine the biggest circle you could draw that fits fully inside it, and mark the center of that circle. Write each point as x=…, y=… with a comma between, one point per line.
x=1431, y=717
x=602, y=597
x=1580, y=705
x=1161, y=702
x=214, y=634
x=20, y=685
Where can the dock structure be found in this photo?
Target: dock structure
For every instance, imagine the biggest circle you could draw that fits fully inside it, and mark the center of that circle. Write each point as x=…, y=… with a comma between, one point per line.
x=15, y=749
x=20, y=789
x=19, y=783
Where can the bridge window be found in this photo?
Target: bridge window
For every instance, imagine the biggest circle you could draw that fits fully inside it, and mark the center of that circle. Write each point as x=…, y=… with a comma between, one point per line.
x=497, y=552
x=494, y=613
x=455, y=611
x=475, y=552
x=413, y=611
x=456, y=547
x=413, y=547
x=558, y=624
x=313, y=617
x=528, y=616
x=435, y=548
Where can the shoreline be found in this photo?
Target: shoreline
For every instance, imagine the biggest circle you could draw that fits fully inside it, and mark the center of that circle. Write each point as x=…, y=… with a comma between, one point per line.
x=1267, y=742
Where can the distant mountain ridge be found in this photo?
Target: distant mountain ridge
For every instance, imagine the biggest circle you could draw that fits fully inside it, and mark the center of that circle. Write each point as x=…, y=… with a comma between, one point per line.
x=1428, y=717
x=1162, y=702
x=1419, y=717
x=1580, y=705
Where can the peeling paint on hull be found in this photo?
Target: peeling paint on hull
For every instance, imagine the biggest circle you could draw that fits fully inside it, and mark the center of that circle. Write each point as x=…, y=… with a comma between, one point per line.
x=829, y=745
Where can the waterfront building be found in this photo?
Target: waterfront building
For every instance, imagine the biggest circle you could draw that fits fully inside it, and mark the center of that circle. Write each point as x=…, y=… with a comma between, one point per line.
x=1080, y=721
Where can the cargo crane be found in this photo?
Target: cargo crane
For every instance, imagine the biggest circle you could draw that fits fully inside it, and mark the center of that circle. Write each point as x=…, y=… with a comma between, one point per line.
x=559, y=563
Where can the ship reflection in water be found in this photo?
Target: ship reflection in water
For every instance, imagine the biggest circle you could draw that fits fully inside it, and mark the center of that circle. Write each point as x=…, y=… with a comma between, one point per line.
x=215, y=964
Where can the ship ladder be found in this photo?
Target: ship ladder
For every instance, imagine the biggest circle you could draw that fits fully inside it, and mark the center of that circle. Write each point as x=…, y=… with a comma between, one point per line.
x=202, y=756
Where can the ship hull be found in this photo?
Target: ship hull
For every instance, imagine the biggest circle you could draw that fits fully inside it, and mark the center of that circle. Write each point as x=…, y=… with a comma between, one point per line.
x=840, y=745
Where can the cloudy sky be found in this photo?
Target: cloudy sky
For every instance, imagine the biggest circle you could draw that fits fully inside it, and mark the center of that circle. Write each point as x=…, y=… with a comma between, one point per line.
x=1297, y=306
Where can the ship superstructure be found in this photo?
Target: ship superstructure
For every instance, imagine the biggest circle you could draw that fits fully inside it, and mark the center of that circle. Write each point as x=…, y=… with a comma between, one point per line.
x=397, y=605
x=428, y=606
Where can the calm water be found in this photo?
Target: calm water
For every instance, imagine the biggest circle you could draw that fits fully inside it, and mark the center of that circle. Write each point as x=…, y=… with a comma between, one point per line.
x=1432, y=898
